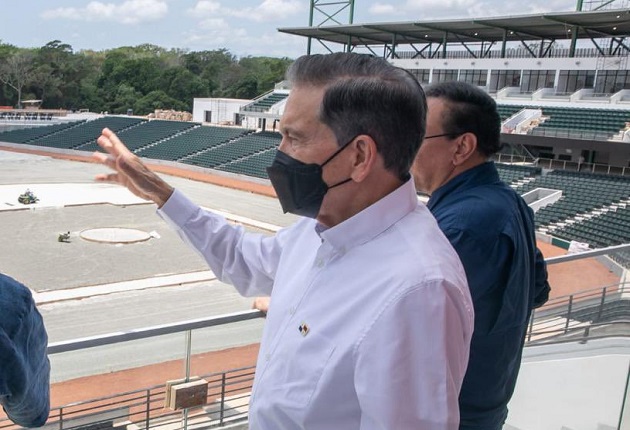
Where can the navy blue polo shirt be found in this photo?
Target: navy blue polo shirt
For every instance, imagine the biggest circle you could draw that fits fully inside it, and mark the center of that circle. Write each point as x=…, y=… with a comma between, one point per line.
x=492, y=229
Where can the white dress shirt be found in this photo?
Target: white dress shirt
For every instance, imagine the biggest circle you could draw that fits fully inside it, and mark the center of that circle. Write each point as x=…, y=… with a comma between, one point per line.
x=370, y=320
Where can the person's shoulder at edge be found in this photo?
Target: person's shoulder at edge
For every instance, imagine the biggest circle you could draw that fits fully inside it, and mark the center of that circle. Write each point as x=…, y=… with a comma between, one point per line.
x=14, y=296
x=475, y=207
x=24, y=395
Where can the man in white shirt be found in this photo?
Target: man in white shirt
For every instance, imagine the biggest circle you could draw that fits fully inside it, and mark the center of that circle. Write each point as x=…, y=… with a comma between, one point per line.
x=372, y=318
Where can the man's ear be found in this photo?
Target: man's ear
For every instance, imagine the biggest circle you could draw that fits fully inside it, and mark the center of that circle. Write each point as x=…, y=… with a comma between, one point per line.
x=364, y=158
x=466, y=148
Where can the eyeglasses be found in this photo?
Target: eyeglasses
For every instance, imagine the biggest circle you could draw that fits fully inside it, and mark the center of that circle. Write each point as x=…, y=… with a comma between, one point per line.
x=451, y=135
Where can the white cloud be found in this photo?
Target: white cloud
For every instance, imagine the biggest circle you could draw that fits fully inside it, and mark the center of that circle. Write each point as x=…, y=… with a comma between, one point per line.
x=240, y=42
x=127, y=12
x=266, y=11
x=213, y=33
x=382, y=9
x=205, y=8
x=214, y=24
x=270, y=10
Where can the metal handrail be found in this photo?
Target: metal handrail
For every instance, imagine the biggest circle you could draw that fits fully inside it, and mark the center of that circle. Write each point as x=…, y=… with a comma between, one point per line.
x=590, y=292
x=587, y=254
x=586, y=334
x=159, y=330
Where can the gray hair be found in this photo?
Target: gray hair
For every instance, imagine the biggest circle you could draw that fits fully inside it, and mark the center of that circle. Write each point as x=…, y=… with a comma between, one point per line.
x=367, y=95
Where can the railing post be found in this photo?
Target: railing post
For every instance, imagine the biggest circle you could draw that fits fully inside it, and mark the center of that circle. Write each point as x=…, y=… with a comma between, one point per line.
x=60, y=418
x=531, y=325
x=566, y=327
x=587, y=331
x=187, y=371
x=222, y=412
x=601, y=305
x=625, y=405
x=147, y=416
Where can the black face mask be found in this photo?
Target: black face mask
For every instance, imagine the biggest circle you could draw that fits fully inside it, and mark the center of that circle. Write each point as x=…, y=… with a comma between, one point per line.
x=300, y=186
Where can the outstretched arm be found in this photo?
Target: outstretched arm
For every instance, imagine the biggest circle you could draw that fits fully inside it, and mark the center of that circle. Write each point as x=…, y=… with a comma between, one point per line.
x=129, y=170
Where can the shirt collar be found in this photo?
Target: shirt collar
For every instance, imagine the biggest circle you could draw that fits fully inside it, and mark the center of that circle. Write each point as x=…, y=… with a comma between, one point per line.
x=484, y=173
x=373, y=220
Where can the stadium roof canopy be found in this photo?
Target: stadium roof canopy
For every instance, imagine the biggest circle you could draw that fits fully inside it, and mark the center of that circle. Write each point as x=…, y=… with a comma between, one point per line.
x=613, y=24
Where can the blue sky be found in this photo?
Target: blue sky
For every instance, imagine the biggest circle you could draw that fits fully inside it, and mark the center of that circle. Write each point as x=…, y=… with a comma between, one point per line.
x=245, y=27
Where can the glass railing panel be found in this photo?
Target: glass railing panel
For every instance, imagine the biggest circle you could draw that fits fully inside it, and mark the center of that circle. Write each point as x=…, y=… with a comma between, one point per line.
x=600, y=308
x=225, y=357
x=111, y=385
x=143, y=378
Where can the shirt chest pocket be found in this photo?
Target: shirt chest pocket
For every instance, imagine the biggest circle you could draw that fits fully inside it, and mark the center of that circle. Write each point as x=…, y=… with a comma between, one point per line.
x=299, y=367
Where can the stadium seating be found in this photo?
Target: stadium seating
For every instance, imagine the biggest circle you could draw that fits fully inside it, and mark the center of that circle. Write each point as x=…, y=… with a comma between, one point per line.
x=577, y=123
x=264, y=103
x=607, y=229
x=28, y=135
x=191, y=142
x=76, y=137
x=507, y=111
x=240, y=148
x=513, y=173
x=254, y=165
x=598, y=124
x=146, y=133
x=581, y=193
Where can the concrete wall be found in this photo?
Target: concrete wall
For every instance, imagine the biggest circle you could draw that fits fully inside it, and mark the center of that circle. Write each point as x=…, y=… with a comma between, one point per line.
x=589, y=63
x=223, y=110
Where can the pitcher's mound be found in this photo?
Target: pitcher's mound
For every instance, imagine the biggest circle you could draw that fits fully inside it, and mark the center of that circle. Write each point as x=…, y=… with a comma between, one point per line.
x=115, y=235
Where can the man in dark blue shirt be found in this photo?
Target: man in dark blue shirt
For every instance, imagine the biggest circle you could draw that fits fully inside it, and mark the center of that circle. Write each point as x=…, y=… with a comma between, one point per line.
x=492, y=229
x=24, y=366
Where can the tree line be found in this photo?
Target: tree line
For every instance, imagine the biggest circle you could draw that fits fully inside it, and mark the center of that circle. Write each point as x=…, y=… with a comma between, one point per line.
x=142, y=78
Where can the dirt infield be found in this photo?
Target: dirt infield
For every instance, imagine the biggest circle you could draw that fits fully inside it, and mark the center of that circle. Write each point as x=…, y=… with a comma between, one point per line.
x=239, y=184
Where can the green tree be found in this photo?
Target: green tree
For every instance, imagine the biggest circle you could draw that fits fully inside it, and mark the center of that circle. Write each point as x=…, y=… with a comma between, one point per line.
x=7, y=94
x=181, y=84
x=267, y=71
x=116, y=80
x=17, y=72
x=215, y=68
x=244, y=88
x=157, y=100
x=125, y=98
